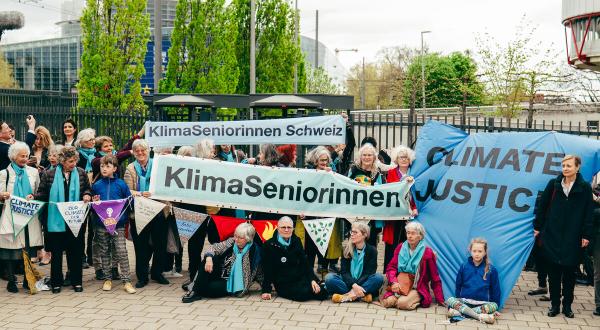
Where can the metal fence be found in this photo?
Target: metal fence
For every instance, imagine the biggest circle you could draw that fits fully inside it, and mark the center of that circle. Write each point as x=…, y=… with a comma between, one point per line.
x=389, y=128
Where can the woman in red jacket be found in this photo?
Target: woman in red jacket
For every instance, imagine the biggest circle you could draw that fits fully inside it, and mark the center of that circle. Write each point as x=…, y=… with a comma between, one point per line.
x=412, y=259
x=393, y=232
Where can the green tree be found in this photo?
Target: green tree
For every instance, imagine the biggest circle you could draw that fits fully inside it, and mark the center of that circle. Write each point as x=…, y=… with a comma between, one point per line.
x=202, y=56
x=319, y=82
x=7, y=79
x=115, y=37
x=277, y=50
x=514, y=72
x=449, y=80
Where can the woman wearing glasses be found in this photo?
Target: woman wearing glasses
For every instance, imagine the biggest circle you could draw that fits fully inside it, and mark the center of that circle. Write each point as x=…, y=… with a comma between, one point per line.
x=229, y=267
x=286, y=268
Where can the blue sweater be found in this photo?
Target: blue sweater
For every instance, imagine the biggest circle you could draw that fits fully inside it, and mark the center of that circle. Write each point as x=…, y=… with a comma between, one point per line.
x=471, y=285
x=111, y=189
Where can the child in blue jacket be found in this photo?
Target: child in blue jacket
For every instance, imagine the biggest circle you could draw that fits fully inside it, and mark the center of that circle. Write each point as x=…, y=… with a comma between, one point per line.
x=477, y=292
x=112, y=246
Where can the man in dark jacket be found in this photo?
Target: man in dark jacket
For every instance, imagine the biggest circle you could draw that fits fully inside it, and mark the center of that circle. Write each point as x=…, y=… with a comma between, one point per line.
x=564, y=222
x=285, y=267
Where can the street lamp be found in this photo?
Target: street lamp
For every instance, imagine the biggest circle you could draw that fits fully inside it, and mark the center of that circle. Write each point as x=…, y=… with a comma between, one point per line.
x=423, y=70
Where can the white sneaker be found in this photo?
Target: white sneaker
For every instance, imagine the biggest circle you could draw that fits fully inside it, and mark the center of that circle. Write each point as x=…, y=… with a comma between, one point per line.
x=171, y=274
x=487, y=318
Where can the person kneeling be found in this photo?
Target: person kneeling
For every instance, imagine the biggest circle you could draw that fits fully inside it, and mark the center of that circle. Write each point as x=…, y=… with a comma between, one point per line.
x=229, y=269
x=358, y=278
x=411, y=272
x=286, y=267
x=477, y=292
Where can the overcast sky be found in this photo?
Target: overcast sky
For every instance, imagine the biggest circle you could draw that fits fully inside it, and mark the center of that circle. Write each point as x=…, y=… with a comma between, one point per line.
x=370, y=25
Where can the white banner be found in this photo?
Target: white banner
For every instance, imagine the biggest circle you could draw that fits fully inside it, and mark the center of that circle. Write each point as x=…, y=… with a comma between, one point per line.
x=74, y=214
x=22, y=211
x=320, y=231
x=304, y=130
x=145, y=210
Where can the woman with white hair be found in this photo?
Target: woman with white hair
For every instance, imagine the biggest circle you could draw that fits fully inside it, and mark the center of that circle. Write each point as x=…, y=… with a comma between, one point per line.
x=393, y=231
x=85, y=144
x=18, y=180
x=151, y=242
x=285, y=267
x=411, y=272
x=65, y=183
x=358, y=278
x=229, y=267
x=365, y=172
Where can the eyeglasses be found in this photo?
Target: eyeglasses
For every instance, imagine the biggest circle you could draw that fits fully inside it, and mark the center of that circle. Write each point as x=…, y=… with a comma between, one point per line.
x=354, y=232
x=286, y=228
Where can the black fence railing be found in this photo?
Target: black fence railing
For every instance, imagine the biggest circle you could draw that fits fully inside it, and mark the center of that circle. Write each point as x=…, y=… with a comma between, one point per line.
x=390, y=129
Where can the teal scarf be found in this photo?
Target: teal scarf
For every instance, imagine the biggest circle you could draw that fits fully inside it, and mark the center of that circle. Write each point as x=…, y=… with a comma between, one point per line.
x=228, y=156
x=283, y=242
x=22, y=187
x=356, y=265
x=102, y=153
x=143, y=176
x=57, y=194
x=409, y=263
x=235, y=282
x=89, y=154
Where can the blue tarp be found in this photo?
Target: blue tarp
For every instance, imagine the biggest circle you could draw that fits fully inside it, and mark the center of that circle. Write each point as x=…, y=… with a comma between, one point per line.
x=486, y=185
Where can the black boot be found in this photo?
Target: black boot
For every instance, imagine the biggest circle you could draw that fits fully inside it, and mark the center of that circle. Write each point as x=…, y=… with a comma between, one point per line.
x=568, y=312
x=11, y=286
x=553, y=311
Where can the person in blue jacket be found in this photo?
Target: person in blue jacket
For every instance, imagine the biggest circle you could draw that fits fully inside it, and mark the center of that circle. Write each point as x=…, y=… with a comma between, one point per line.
x=477, y=294
x=112, y=246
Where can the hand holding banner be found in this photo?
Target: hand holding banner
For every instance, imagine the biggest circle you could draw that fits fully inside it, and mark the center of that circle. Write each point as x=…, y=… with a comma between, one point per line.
x=145, y=210
x=74, y=214
x=188, y=222
x=320, y=231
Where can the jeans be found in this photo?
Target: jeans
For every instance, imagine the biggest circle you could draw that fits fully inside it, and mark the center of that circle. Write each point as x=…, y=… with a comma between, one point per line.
x=335, y=284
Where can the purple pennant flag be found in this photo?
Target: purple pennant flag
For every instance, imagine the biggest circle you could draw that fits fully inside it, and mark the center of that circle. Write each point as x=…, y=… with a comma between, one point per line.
x=110, y=212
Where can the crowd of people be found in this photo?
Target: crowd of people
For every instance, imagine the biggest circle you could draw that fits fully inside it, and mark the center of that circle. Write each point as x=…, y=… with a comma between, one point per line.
x=86, y=167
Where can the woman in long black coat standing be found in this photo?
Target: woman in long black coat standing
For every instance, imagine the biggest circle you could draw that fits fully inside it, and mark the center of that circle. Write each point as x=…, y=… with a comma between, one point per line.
x=564, y=223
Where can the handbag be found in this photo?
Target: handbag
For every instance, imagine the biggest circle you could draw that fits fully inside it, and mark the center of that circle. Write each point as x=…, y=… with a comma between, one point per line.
x=406, y=281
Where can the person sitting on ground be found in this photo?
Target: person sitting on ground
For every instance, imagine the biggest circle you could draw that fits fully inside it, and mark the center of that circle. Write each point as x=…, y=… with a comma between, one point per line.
x=229, y=267
x=358, y=278
x=477, y=293
x=286, y=268
x=411, y=272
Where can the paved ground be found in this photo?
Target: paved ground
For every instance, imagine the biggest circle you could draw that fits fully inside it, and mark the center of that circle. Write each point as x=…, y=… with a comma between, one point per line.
x=158, y=306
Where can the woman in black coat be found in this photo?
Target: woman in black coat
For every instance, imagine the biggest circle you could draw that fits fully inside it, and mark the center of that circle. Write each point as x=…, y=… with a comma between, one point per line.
x=564, y=223
x=286, y=268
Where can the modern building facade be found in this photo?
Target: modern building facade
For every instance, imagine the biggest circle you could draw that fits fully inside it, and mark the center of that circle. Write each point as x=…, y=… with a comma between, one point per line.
x=53, y=64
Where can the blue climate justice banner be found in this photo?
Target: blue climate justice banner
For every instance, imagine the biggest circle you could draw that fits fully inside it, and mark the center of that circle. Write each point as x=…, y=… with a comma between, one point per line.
x=486, y=185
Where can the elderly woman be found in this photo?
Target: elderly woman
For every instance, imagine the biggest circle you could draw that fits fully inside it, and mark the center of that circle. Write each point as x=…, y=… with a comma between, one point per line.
x=393, y=231
x=365, y=172
x=410, y=273
x=226, y=153
x=104, y=146
x=319, y=158
x=85, y=144
x=151, y=242
x=286, y=268
x=564, y=223
x=18, y=180
x=187, y=151
x=229, y=267
x=267, y=156
x=358, y=278
x=287, y=155
x=65, y=183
